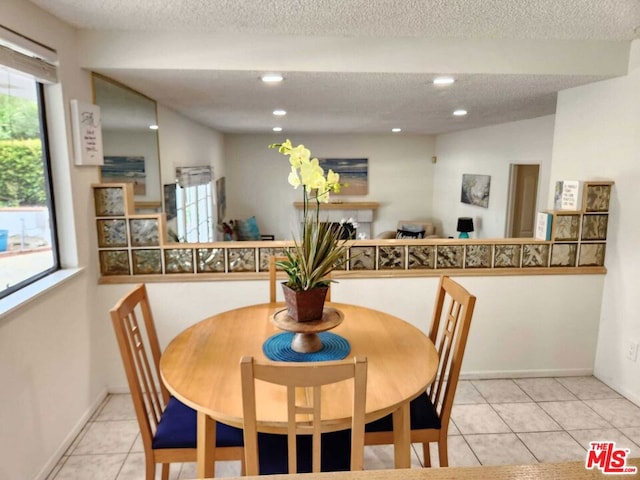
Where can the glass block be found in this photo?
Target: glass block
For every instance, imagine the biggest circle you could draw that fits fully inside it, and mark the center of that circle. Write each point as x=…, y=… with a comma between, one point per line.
x=343, y=265
x=114, y=262
x=242, y=259
x=450, y=256
x=594, y=227
x=109, y=201
x=507, y=256
x=178, y=260
x=144, y=232
x=564, y=254
x=210, y=260
x=112, y=233
x=535, y=255
x=362, y=258
x=391, y=258
x=421, y=257
x=566, y=227
x=266, y=253
x=147, y=262
x=477, y=256
x=591, y=255
x=596, y=198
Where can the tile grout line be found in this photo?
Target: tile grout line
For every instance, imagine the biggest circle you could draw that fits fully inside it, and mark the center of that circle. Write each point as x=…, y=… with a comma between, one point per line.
x=478, y=400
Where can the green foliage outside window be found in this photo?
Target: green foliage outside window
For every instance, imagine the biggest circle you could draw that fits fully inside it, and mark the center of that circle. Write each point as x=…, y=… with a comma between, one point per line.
x=21, y=166
x=21, y=173
x=18, y=118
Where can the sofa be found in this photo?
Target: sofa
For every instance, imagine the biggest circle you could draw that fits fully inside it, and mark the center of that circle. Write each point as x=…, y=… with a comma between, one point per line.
x=411, y=229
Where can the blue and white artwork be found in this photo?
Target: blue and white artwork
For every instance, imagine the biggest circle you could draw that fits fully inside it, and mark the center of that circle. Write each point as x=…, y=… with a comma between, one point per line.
x=125, y=169
x=354, y=172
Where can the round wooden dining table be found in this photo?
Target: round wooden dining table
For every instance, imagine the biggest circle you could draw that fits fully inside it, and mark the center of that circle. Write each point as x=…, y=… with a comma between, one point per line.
x=201, y=367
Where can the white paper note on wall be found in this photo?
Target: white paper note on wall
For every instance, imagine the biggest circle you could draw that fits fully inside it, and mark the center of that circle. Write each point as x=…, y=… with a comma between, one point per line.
x=87, y=133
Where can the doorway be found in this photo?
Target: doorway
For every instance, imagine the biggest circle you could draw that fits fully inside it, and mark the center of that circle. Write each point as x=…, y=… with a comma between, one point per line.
x=523, y=197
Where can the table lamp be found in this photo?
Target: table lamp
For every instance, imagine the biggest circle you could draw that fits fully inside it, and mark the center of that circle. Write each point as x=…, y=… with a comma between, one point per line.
x=465, y=225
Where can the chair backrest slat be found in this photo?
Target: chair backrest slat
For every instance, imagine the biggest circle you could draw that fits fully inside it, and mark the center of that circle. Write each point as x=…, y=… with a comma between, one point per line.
x=141, y=366
x=311, y=378
x=273, y=270
x=449, y=332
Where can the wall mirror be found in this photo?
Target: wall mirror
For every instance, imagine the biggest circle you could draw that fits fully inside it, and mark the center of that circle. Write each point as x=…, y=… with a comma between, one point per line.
x=130, y=141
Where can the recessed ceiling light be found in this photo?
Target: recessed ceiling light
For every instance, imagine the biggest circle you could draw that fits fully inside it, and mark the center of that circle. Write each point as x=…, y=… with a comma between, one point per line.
x=460, y=113
x=277, y=129
x=396, y=130
x=153, y=127
x=272, y=78
x=279, y=113
x=443, y=80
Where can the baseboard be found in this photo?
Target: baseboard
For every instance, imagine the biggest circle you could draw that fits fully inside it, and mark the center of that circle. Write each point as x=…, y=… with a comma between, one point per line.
x=577, y=372
x=55, y=458
x=632, y=397
x=118, y=389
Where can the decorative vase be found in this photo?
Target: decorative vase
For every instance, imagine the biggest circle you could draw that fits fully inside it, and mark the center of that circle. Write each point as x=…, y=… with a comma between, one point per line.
x=305, y=305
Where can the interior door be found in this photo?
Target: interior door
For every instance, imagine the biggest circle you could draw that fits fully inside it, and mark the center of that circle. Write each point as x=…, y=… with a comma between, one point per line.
x=524, y=182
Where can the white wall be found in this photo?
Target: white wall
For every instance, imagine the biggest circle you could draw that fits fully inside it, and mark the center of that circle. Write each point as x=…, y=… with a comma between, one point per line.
x=137, y=143
x=489, y=151
x=522, y=326
x=400, y=177
x=51, y=367
x=597, y=136
x=185, y=143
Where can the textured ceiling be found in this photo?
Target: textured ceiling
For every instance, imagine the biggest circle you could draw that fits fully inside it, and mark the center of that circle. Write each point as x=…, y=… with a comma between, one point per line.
x=324, y=102
x=341, y=102
x=533, y=19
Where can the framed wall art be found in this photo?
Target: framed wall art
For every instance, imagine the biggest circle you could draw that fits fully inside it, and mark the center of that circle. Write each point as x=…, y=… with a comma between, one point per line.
x=87, y=133
x=475, y=189
x=354, y=172
x=125, y=169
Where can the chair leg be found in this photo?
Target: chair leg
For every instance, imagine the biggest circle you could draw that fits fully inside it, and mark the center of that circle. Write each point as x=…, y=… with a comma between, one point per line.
x=442, y=452
x=426, y=454
x=150, y=468
x=166, y=467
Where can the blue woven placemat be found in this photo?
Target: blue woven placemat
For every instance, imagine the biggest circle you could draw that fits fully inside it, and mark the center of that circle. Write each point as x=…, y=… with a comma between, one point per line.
x=278, y=348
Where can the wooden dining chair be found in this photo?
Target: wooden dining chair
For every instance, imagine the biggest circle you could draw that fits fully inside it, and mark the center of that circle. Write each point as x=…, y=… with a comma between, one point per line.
x=310, y=445
x=431, y=411
x=273, y=270
x=167, y=426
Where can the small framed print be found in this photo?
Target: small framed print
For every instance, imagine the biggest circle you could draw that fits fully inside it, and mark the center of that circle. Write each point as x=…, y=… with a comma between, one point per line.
x=87, y=133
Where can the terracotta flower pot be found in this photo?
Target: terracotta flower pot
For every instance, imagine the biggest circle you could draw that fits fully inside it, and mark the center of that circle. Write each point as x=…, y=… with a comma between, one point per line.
x=305, y=305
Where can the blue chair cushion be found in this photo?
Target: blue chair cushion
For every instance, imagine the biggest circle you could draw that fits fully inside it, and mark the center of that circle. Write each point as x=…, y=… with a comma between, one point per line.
x=178, y=425
x=423, y=416
x=335, y=453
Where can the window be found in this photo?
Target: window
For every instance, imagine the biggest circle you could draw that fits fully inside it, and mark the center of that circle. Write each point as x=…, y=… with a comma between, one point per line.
x=28, y=249
x=194, y=213
x=194, y=204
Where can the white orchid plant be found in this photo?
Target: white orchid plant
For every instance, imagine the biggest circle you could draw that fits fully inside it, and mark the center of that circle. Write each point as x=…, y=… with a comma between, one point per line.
x=321, y=248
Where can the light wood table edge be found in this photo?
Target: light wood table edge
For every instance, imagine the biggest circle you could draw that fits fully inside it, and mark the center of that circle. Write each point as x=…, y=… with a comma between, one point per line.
x=539, y=471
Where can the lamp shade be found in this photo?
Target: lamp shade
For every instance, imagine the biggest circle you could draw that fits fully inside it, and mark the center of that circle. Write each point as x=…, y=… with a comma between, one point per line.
x=465, y=224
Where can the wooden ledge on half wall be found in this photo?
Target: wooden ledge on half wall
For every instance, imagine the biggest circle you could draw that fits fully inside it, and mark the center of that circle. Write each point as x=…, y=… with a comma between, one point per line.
x=338, y=205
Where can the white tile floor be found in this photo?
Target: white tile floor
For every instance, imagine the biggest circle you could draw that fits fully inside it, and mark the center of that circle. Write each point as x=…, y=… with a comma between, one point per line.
x=493, y=422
